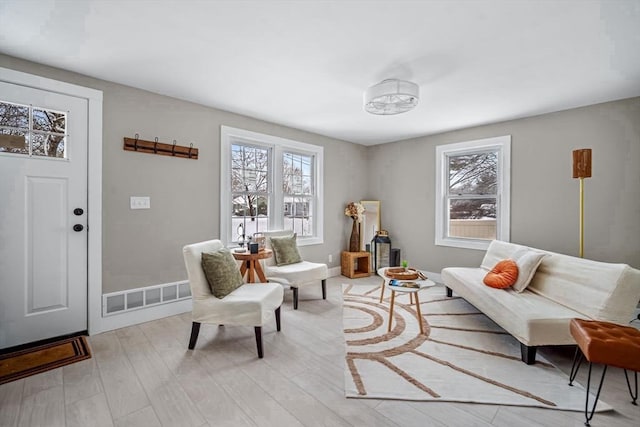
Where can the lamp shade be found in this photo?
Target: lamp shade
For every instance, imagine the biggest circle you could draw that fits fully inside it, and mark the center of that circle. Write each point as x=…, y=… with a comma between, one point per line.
x=391, y=96
x=582, y=163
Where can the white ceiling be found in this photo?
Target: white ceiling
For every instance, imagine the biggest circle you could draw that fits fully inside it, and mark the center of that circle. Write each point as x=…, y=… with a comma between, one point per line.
x=306, y=64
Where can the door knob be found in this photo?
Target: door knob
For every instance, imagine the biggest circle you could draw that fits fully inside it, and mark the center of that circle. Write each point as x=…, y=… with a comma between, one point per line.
x=78, y=227
x=78, y=211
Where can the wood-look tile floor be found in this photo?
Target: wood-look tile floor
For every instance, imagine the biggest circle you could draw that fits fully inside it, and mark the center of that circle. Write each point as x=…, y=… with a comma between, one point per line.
x=144, y=375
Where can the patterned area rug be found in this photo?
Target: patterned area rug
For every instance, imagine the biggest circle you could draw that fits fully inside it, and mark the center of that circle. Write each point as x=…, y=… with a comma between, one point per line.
x=24, y=363
x=462, y=357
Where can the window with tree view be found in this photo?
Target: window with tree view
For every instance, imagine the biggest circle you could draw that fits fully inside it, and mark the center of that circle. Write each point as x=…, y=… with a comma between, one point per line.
x=274, y=183
x=473, y=198
x=250, y=190
x=32, y=131
x=297, y=187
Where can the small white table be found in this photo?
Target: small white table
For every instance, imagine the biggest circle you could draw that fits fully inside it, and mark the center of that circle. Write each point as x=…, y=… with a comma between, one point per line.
x=413, y=294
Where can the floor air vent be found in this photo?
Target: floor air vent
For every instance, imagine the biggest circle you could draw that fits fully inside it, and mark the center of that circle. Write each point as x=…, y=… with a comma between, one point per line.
x=136, y=299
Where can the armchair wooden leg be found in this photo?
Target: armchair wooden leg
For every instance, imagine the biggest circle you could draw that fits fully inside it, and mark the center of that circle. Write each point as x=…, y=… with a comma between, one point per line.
x=258, y=330
x=295, y=298
x=324, y=288
x=195, y=329
x=278, y=319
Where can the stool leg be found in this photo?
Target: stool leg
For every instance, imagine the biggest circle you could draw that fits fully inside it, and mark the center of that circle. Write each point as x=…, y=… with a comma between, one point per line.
x=633, y=396
x=586, y=404
x=577, y=361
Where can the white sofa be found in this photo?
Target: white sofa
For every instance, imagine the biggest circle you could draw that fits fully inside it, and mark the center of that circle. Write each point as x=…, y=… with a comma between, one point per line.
x=563, y=287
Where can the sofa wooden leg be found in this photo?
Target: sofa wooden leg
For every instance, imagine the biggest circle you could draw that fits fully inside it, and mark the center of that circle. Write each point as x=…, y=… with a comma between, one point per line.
x=195, y=329
x=258, y=330
x=278, y=318
x=449, y=291
x=324, y=288
x=528, y=354
x=295, y=298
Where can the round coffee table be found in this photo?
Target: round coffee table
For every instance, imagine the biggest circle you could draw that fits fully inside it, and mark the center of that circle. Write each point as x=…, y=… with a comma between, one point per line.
x=413, y=294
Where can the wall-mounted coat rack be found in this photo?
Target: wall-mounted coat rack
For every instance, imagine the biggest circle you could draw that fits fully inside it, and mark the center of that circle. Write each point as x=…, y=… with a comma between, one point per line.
x=155, y=147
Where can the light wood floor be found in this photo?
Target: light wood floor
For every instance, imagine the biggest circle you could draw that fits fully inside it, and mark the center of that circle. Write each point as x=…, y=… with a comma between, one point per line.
x=144, y=376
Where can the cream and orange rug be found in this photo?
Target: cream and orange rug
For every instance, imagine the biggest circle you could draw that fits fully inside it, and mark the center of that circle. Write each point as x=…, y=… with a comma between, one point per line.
x=463, y=356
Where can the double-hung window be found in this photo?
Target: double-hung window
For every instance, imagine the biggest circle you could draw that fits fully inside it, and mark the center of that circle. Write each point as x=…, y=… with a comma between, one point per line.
x=472, y=192
x=298, y=192
x=269, y=183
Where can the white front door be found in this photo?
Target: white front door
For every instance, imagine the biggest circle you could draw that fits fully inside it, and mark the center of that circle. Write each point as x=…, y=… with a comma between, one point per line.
x=43, y=214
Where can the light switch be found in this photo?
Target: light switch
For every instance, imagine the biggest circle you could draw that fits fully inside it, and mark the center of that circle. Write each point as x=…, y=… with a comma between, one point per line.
x=138, y=202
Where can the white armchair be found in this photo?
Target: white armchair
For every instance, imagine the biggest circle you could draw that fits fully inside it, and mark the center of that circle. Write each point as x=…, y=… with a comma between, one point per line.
x=294, y=275
x=252, y=304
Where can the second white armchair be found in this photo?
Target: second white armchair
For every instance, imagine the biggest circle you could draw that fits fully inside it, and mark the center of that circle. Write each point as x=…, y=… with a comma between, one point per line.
x=293, y=274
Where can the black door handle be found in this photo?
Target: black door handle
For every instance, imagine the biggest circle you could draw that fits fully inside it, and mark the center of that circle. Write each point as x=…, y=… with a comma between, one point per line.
x=78, y=227
x=78, y=211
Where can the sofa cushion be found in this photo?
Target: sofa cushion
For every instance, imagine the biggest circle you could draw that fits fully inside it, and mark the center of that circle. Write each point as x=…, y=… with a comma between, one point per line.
x=499, y=250
x=528, y=261
x=503, y=275
x=602, y=291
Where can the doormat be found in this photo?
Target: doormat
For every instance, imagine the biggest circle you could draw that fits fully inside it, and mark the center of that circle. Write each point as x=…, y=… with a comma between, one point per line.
x=24, y=363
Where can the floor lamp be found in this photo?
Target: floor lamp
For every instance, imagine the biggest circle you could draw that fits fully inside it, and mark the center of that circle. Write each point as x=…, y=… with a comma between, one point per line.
x=582, y=170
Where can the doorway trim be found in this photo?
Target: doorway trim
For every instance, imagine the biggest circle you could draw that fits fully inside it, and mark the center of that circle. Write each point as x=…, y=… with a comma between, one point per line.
x=94, y=180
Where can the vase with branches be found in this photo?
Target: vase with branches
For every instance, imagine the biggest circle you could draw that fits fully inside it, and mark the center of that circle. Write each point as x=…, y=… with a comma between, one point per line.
x=355, y=211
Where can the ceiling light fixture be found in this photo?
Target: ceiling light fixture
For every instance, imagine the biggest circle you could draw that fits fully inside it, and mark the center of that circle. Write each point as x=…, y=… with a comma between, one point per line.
x=391, y=96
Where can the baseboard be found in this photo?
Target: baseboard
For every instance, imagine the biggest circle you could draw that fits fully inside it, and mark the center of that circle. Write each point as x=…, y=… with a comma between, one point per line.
x=130, y=318
x=133, y=306
x=334, y=271
x=436, y=277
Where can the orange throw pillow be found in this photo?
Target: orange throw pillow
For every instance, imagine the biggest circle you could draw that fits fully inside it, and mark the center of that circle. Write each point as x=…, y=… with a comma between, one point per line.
x=503, y=275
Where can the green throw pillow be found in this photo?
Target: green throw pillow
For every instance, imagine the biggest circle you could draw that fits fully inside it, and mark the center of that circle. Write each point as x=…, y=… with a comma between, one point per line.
x=285, y=250
x=222, y=272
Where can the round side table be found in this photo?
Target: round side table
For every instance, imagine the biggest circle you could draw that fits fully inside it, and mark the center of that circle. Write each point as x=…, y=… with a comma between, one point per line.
x=251, y=264
x=413, y=294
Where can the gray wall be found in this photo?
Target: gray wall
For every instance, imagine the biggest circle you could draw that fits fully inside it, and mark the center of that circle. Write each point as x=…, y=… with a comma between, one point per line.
x=544, y=197
x=144, y=247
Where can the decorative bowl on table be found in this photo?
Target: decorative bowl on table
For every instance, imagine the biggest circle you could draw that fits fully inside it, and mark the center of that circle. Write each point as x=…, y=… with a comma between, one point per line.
x=401, y=273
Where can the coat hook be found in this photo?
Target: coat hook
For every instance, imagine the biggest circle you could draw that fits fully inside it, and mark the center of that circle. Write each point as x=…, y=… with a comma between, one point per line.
x=190, y=147
x=173, y=149
x=155, y=146
x=135, y=143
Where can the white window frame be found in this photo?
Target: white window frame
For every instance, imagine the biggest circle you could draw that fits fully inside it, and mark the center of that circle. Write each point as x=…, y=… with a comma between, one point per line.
x=277, y=146
x=500, y=144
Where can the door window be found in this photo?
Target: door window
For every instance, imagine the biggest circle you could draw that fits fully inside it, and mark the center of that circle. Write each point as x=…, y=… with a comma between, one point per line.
x=32, y=131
